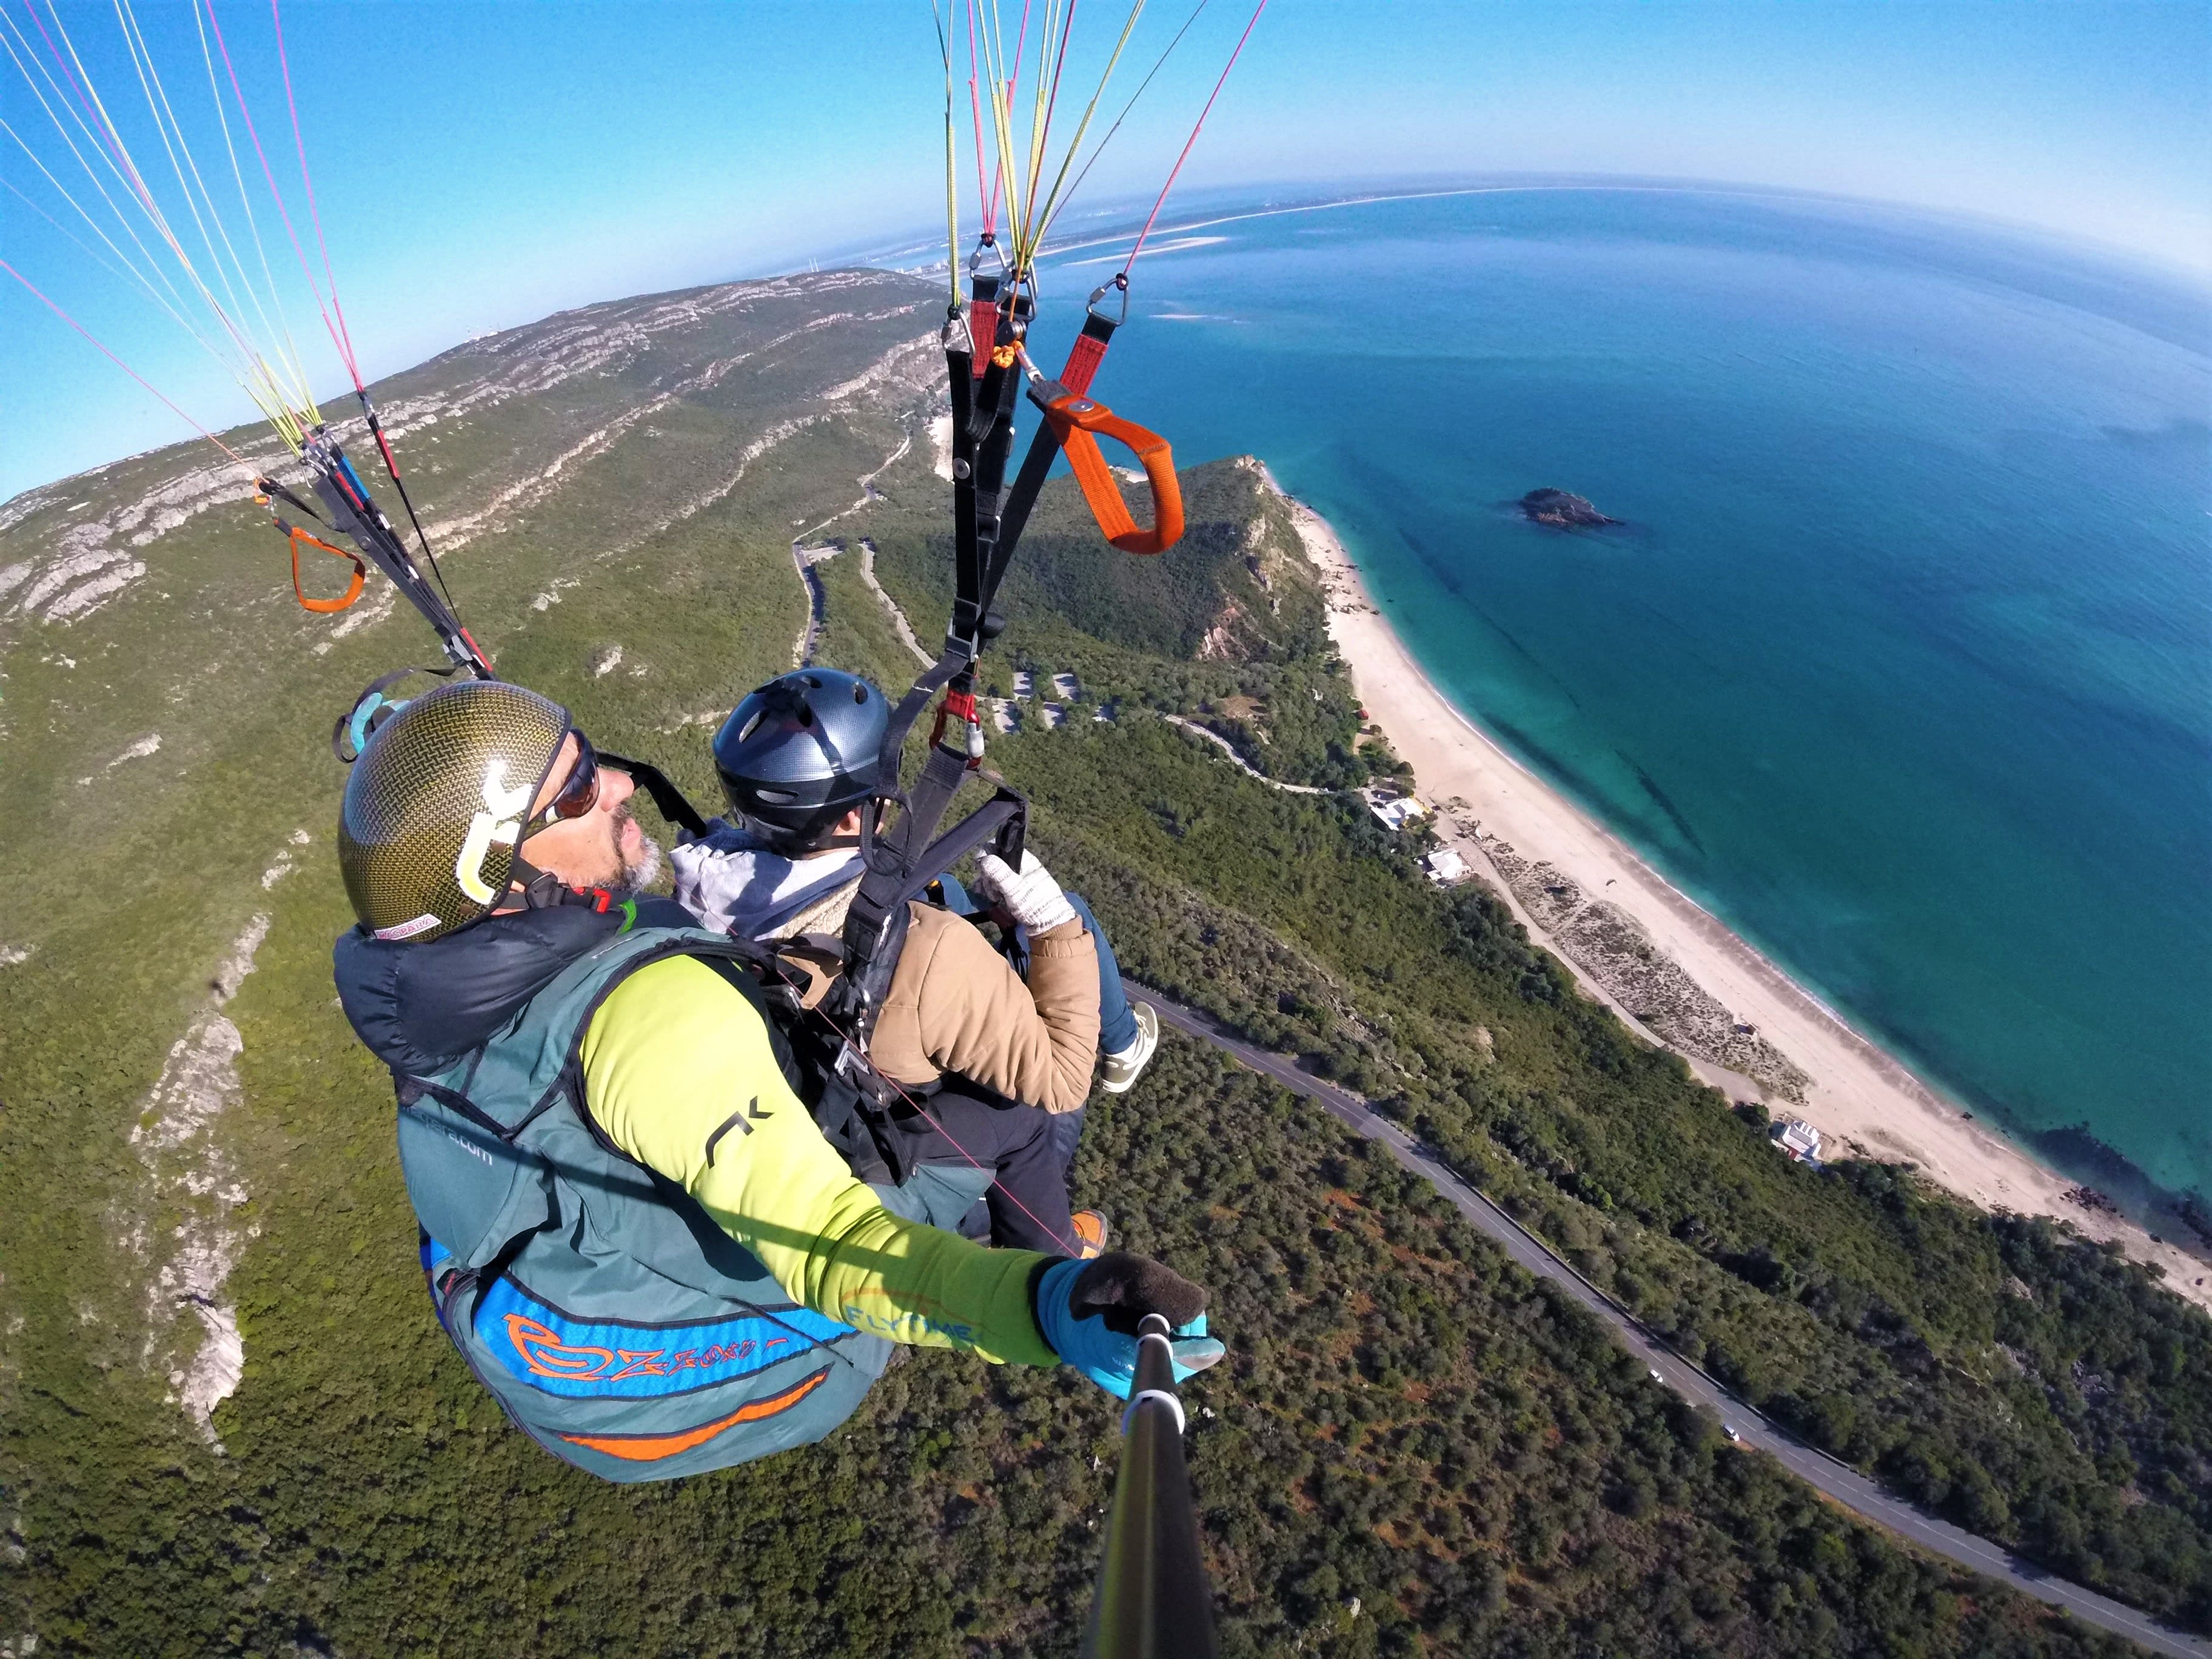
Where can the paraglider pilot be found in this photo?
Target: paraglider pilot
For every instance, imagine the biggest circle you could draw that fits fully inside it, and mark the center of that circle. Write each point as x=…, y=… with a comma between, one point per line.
x=632, y=1227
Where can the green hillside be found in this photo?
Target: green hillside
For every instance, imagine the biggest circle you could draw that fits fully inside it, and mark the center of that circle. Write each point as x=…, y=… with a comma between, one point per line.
x=1412, y=1449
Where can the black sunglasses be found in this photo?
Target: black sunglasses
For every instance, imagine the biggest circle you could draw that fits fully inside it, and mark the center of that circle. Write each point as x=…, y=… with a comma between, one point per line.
x=579, y=795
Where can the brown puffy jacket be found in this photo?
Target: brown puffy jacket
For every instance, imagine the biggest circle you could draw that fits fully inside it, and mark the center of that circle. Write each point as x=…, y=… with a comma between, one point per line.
x=956, y=1004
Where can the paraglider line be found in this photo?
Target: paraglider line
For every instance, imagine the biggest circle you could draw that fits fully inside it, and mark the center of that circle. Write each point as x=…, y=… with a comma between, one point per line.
x=984, y=195
x=54, y=52
x=1135, y=95
x=1052, y=98
x=341, y=334
x=1192, y=139
x=135, y=375
x=269, y=173
x=8, y=43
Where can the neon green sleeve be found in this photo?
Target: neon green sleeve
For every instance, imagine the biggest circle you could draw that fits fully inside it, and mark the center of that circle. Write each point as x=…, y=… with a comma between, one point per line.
x=679, y=1074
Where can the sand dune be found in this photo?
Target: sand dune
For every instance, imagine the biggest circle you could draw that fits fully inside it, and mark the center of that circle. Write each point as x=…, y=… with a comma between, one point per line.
x=1646, y=949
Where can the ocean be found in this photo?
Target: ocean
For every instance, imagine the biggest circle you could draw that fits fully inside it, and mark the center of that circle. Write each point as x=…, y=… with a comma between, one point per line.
x=1901, y=661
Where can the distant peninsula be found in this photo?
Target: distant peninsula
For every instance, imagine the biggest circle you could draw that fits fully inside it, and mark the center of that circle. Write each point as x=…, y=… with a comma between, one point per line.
x=1561, y=510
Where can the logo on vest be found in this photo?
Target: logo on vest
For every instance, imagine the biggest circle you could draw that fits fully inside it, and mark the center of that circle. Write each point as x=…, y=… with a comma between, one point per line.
x=558, y=1353
x=543, y=1350
x=499, y=823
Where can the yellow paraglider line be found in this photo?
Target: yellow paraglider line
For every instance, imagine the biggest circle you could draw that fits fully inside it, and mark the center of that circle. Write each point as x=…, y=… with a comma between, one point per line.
x=1022, y=118
x=284, y=324
x=135, y=275
x=296, y=398
x=121, y=218
x=951, y=173
x=251, y=368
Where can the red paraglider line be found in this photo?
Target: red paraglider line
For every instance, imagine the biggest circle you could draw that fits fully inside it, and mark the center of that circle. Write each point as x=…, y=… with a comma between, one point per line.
x=1021, y=41
x=1192, y=139
x=268, y=173
x=986, y=197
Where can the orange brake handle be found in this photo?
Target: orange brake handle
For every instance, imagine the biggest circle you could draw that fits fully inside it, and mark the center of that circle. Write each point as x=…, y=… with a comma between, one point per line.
x=1079, y=422
x=322, y=607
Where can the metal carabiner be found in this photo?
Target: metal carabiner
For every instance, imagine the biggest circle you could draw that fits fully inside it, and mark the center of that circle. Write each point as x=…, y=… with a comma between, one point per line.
x=1120, y=280
x=976, y=259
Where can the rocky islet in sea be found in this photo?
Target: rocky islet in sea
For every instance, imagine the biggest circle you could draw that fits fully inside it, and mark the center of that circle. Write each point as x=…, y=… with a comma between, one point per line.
x=1561, y=510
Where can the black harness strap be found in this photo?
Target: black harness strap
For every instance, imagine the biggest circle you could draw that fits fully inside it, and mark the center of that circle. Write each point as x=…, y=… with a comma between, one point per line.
x=981, y=448
x=1083, y=360
x=351, y=511
x=673, y=804
x=875, y=925
x=847, y=1098
x=270, y=487
x=987, y=523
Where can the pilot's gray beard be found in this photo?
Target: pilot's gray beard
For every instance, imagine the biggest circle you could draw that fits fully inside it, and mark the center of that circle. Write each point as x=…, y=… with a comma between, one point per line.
x=641, y=873
x=630, y=876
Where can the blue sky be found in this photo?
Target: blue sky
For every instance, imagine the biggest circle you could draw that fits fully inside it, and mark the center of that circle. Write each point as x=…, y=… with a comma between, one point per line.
x=481, y=164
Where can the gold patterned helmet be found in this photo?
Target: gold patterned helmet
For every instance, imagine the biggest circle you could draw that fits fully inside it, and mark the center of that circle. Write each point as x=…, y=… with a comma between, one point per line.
x=435, y=803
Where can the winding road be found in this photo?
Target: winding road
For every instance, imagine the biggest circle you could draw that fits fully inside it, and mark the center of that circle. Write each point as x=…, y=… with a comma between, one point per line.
x=1243, y=765
x=1837, y=1480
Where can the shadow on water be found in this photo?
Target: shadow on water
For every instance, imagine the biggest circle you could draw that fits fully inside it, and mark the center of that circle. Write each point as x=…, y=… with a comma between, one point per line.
x=2180, y=1218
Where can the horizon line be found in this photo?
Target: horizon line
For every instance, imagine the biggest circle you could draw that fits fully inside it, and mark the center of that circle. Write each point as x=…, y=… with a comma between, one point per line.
x=2196, y=282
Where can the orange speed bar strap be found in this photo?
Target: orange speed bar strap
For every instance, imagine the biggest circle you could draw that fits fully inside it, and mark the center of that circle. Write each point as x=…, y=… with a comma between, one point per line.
x=322, y=607
x=1075, y=420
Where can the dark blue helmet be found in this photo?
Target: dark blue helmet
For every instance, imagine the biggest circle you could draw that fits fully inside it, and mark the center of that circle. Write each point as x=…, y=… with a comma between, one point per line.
x=800, y=752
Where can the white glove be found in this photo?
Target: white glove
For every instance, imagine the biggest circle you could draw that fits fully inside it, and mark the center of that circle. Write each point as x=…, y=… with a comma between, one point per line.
x=1032, y=898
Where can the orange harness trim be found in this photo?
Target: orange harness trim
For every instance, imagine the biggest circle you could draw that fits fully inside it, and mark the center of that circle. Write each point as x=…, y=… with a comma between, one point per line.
x=1075, y=420
x=645, y=1447
x=322, y=607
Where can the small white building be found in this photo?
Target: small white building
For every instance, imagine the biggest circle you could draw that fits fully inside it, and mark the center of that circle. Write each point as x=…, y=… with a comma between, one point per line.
x=1799, y=1139
x=1024, y=683
x=1396, y=811
x=1446, y=866
x=1066, y=687
x=1105, y=714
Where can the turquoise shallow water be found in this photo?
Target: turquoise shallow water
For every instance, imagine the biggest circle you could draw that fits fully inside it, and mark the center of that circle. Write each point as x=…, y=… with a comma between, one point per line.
x=1903, y=662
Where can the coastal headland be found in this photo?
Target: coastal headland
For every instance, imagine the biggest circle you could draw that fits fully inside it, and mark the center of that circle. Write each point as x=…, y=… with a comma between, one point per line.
x=1669, y=968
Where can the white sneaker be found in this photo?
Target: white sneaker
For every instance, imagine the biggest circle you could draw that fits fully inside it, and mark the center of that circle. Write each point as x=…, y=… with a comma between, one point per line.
x=1123, y=1068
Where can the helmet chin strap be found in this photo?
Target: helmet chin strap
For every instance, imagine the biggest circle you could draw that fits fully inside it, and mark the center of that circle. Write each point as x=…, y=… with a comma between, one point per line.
x=541, y=890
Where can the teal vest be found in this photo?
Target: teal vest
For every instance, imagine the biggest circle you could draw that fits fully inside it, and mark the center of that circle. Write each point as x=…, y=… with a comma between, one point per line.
x=618, y=1326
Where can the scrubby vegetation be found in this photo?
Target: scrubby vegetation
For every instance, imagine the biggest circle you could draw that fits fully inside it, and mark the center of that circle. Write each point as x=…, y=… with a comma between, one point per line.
x=1414, y=1448
x=2025, y=1383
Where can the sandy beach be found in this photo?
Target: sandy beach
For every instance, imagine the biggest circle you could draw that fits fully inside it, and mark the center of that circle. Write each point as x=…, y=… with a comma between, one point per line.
x=1632, y=939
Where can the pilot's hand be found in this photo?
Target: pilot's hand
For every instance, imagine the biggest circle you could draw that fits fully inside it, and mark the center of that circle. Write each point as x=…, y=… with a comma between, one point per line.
x=1088, y=1312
